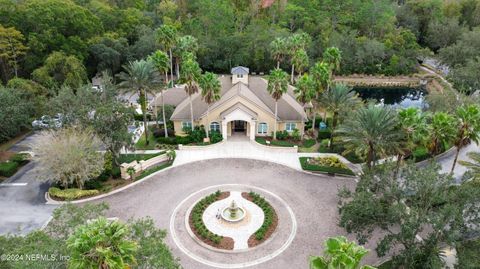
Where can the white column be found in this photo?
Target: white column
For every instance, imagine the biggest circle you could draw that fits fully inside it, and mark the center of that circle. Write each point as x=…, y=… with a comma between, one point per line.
x=252, y=130
x=224, y=130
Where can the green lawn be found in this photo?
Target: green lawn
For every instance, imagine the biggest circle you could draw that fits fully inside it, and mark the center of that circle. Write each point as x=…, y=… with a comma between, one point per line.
x=154, y=169
x=326, y=169
x=127, y=158
x=308, y=143
x=141, y=144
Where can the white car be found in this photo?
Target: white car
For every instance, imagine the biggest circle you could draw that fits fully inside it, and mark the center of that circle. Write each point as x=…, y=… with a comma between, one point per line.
x=46, y=122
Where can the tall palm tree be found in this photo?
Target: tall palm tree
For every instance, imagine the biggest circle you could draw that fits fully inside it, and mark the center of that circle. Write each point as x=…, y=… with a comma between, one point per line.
x=473, y=166
x=300, y=60
x=333, y=56
x=304, y=89
x=101, y=244
x=277, y=86
x=296, y=46
x=441, y=130
x=160, y=61
x=468, y=128
x=210, y=92
x=191, y=74
x=138, y=78
x=338, y=99
x=320, y=74
x=413, y=126
x=167, y=38
x=279, y=50
x=185, y=44
x=370, y=131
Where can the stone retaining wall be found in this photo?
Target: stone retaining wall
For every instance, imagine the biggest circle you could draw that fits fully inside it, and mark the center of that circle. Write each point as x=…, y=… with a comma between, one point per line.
x=141, y=166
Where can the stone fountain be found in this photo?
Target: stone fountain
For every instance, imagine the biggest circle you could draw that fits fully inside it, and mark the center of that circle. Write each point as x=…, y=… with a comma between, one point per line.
x=233, y=213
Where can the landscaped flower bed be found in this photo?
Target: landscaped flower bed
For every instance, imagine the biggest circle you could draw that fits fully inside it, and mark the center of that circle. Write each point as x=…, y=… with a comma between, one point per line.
x=70, y=194
x=270, y=221
x=10, y=167
x=330, y=165
x=198, y=227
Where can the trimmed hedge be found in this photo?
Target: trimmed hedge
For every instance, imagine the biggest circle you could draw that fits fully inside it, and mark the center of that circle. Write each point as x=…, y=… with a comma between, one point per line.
x=267, y=211
x=197, y=213
x=278, y=143
x=8, y=169
x=70, y=194
x=324, y=134
x=326, y=169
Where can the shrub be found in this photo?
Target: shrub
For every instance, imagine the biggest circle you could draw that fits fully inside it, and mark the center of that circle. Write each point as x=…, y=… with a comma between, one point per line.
x=93, y=184
x=326, y=169
x=20, y=158
x=330, y=161
x=8, y=169
x=197, y=213
x=197, y=134
x=160, y=132
x=296, y=135
x=307, y=143
x=108, y=163
x=167, y=140
x=267, y=211
x=420, y=154
x=139, y=117
x=70, y=194
x=215, y=137
x=116, y=173
x=103, y=177
x=324, y=134
x=282, y=135
x=184, y=140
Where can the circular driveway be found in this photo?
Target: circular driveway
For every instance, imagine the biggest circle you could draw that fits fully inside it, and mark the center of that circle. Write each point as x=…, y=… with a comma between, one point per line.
x=312, y=198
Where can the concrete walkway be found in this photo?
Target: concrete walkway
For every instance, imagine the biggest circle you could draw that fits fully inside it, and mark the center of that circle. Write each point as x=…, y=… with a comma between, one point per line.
x=240, y=148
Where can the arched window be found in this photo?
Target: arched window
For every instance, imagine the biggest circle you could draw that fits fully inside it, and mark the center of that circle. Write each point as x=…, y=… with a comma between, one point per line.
x=262, y=128
x=214, y=126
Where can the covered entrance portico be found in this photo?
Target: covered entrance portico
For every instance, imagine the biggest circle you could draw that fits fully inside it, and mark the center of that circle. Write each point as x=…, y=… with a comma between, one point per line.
x=238, y=120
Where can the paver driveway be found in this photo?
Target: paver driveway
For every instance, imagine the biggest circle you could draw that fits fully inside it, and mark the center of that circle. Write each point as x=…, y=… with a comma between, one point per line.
x=312, y=199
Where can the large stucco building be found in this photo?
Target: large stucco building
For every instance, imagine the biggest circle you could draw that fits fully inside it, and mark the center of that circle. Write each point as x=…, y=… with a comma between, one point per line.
x=245, y=107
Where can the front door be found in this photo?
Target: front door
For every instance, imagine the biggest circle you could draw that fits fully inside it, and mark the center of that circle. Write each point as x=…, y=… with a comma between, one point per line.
x=239, y=126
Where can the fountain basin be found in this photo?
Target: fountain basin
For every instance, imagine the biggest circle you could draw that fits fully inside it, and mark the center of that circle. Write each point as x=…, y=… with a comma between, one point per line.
x=238, y=216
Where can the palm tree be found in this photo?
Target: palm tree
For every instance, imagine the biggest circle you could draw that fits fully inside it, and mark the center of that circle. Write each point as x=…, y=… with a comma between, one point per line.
x=210, y=92
x=277, y=86
x=413, y=126
x=340, y=254
x=186, y=44
x=473, y=166
x=304, y=89
x=279, y=50
x=320, y=73
x=370, y=131
x=138, y=78
x=468, y=128
x=101, y=244
x=441, y=130
x=300, y=60
x=296, y=45
x=160, y=61
x=191, y=74
x=167, y=38
x=333, y=56
x=337, y=100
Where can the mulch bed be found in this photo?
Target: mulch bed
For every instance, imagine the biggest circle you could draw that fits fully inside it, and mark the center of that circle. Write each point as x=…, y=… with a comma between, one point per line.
x=252, y=241
x=226, y=242
x=6, y=155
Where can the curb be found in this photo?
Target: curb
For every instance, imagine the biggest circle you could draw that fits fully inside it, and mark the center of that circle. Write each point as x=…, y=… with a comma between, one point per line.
x=50, y=201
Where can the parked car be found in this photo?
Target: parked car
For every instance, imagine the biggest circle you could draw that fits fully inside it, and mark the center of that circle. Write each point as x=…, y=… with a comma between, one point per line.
x=46, y=122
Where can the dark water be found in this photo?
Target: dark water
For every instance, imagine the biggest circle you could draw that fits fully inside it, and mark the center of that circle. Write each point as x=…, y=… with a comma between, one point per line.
x=397, y=97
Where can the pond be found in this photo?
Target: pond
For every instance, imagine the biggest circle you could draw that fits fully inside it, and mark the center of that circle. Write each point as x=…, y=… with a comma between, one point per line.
x=397, y=97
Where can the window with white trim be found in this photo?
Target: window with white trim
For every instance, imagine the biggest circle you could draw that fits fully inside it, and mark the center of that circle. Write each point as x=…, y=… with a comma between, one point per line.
x=214, y=126
x=262, y=128
x=290, y=126
x=186, y=125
